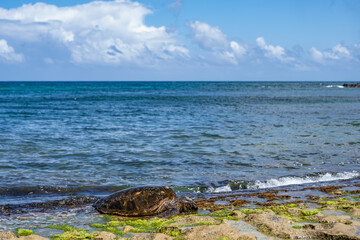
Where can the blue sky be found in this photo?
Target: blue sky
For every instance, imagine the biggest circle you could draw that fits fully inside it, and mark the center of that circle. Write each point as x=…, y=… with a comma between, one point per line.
x=244, y=40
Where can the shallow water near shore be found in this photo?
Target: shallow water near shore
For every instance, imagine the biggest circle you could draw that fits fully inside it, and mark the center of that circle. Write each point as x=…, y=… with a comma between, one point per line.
x=78, y=212
x=92, y=138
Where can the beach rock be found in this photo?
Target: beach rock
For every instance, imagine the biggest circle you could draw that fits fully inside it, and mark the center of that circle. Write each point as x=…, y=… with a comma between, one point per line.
x=152, y=236
x=188, y=220
x=127, y=228
x=276, y=225
x=226, y=221
x=7, y=235
x=239, y=214
x=12, y=236
x=213, y=232
x=32, y=237
x=104, y=236
x=330, y=218
x=355, y=212
x=355, y=85
x=341, y=231
x=247, y=237
x=313, y=226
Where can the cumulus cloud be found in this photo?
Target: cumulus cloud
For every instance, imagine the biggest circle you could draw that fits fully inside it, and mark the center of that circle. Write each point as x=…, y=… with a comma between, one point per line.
x=175, y=7
x=340, y=51
x=275, y=52
x=212, y=39
x=316, y=55
x=96, y=32
x=208, y=37
x=8, y=54
x=336, y=53
x=114, y=32
x=239, y=50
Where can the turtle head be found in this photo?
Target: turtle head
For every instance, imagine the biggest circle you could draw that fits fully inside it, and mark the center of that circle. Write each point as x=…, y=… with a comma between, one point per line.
x=187, y=205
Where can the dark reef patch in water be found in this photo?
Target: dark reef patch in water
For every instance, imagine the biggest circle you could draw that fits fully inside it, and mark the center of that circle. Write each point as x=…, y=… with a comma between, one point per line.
x=49, y=206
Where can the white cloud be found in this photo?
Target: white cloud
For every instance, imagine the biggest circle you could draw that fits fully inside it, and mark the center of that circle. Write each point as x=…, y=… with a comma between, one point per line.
x=336, y=53
x=8, y=54
x=177, y=51
x=212, y=39
x=260, y=41
x=270, y=51
x=96, y=32
x=114, y=32
x=341, y=50
x=238, y=49
x=208, y=37
x=176, y=5
x=316, y=55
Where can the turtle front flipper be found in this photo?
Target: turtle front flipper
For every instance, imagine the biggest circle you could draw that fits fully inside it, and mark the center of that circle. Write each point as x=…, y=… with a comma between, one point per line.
x=169, y=213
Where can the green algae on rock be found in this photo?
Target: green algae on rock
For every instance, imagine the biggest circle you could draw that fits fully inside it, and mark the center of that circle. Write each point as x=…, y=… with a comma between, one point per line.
x=309, y=212
x=75, y=234
x=24, y=232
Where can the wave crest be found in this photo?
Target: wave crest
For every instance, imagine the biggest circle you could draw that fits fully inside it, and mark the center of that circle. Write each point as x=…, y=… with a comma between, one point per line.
x=333, y=86
x=284, y=181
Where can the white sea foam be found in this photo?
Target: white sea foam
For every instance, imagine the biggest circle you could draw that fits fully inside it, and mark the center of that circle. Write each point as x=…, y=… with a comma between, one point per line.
x=225, y=188
x=284, y=181
x=332, y=86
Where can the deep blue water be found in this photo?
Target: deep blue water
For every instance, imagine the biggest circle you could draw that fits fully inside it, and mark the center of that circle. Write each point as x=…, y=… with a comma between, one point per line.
x=203, y=136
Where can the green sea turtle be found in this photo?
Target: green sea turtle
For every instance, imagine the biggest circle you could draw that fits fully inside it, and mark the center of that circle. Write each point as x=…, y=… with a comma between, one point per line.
x=145, y=201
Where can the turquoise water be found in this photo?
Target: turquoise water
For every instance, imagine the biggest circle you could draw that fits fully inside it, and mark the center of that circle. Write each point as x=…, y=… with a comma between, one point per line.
x=95, y=137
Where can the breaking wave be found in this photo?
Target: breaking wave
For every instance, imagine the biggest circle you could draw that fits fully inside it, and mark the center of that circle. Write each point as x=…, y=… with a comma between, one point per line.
x=226, y=188
x=223, y=186
x=334, y=86
x=284, y=181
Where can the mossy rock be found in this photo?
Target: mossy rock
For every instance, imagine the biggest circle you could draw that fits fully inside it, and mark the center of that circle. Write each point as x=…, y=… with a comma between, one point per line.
x=76, y=234
x=24, y=232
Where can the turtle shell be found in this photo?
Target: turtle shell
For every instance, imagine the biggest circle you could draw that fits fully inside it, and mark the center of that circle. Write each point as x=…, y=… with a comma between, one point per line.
x=137, y=201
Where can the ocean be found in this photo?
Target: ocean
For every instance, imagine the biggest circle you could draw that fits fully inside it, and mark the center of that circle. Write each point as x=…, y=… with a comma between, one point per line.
x=60, y=139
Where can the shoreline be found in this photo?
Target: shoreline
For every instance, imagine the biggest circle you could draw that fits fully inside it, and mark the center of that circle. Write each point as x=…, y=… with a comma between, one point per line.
x=322, y=212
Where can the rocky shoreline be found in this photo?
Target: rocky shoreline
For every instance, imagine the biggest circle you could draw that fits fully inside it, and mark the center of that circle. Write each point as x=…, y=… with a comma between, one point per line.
x=354, y=85
x=327, y=212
